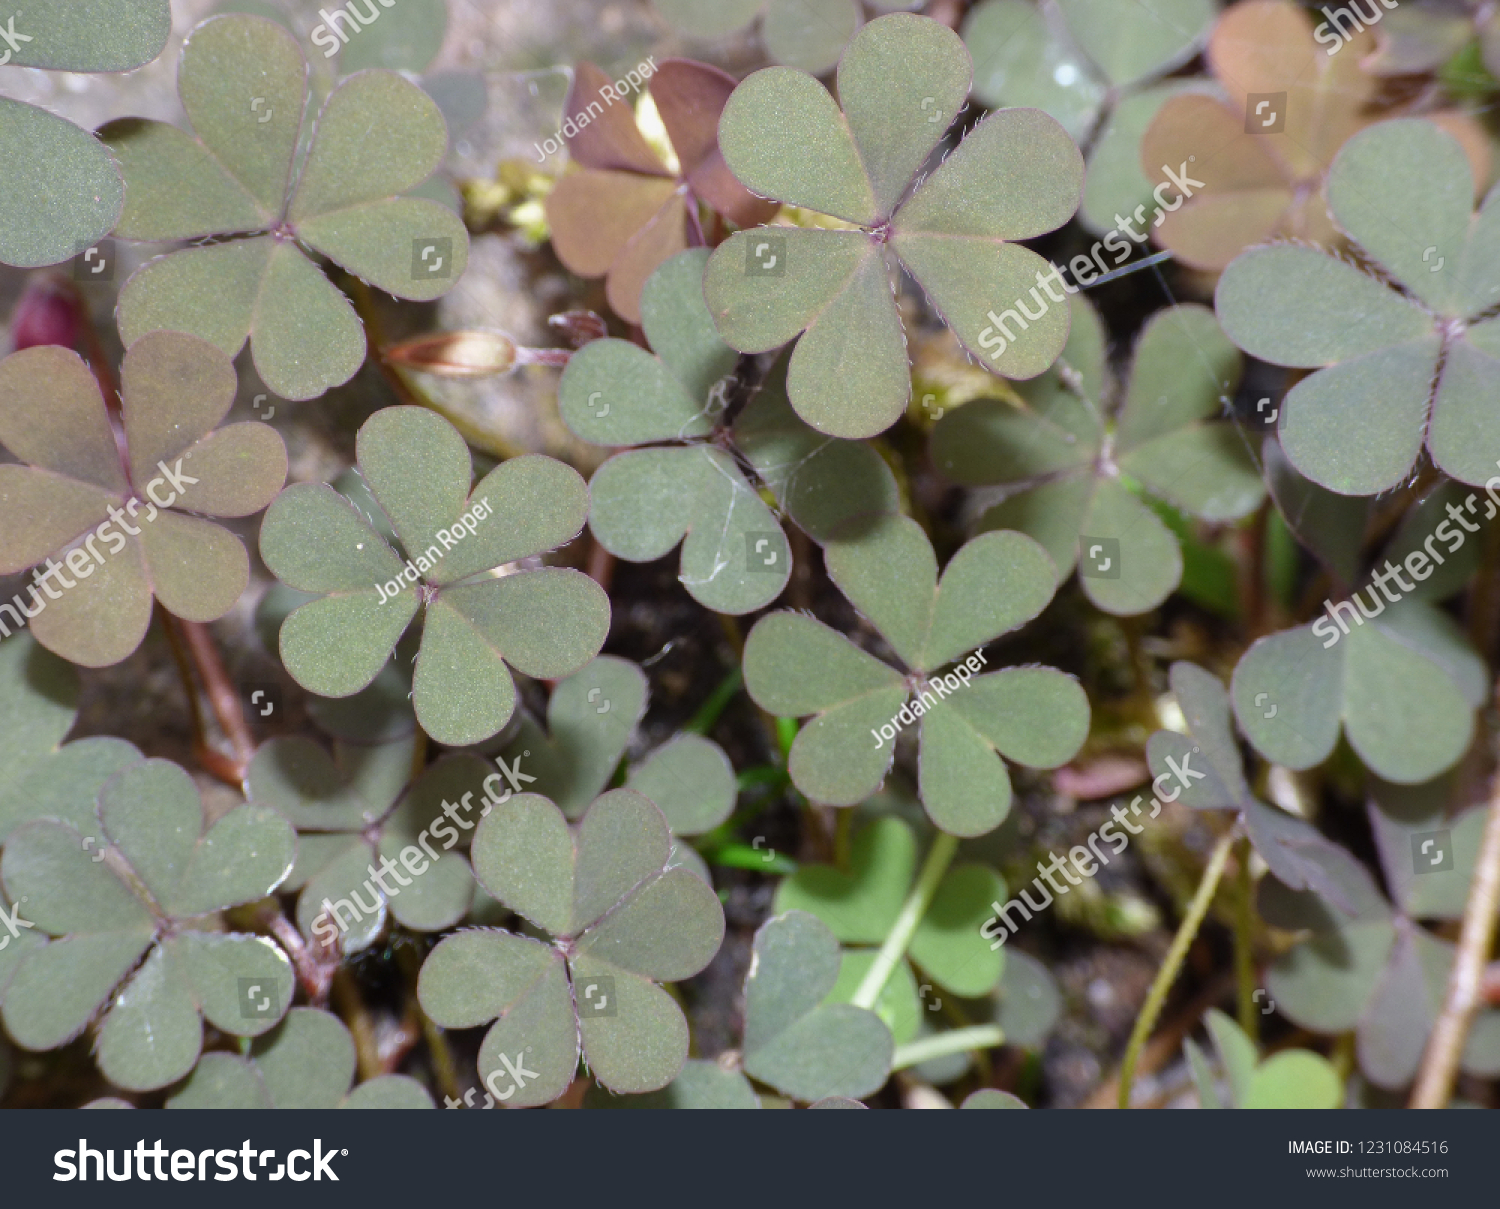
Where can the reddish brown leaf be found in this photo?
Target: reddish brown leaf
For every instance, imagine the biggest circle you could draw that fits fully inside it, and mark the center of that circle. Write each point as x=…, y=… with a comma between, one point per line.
x=606, y=136
x=594, y=214
x=659, y=240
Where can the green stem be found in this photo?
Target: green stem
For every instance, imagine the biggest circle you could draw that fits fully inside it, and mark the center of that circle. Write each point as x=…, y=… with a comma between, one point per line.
x=939, y=857
x=960, y=1040
x=1167, y=975
x=1244, y=945
x=708, y=713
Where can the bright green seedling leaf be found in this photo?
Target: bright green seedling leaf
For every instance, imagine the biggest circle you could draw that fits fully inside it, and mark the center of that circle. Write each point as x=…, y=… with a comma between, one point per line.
x=363, y=857
x=1203, y=769
x=701, y=1085
x=1017, y=175
x=116, y=537
x=545, y=623
x=1403, y=687
x=121, y=929
x=861, y=906
x=306, y=1061
x=796, y=1040
x=899, y=1004
x=243, y=83
x=61, y=191
x=622, y=921
x=1290, y=1079
x=1419, y=367
x=735, y=558
x=1076, y=470
x=806, y=34
x=1035, y=716
x=1374, y=972
x=591, y=718
x=43, y=777
x=1088, y=64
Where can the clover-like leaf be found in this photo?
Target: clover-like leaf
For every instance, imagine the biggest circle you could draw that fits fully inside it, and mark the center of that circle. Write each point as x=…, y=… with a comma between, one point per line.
x=1015, y=176
x=622, y=919
x=1431, y=351
x=243, y=83
x=795, y=1040
x=735, y=559
x=626, y=212
x=821, y=483
x=1403, y=687
x=1293, y=850
x=1077, y=472
x=591, y=717
x=306, y=1061
x=545, y=623
x=861, y=906
x=45, y=778
x=796, y=666
x=1428, y=856
x=165, y=865
x=1251, y=176
x=1088, y=64
x=71, y=498
x=61, y=190
x=347, y=809
x=1290, y=1079
x=1374, y=972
